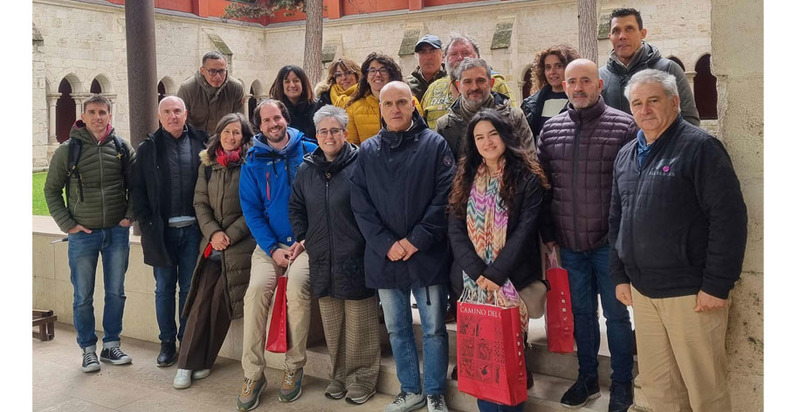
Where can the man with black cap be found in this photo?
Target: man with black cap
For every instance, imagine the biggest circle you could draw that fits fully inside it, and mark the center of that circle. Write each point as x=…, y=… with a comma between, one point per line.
x=430, y=65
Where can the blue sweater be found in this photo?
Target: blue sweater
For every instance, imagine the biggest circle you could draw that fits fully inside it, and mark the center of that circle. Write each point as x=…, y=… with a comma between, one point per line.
x=265, y=188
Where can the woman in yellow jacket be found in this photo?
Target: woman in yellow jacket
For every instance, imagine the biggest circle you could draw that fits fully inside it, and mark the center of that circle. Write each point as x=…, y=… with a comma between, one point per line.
x=343, y=76
x=363, y=106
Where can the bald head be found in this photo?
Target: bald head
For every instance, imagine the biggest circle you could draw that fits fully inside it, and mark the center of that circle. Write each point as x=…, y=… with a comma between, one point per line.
x=173, y=115
x=582, y=83
x=396, y=106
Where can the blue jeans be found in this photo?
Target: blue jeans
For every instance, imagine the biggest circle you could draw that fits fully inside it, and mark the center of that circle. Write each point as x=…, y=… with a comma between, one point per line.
x=182, y=244
x=588, y=274
x=398, y=320
x=84, y=249
x=487, y=406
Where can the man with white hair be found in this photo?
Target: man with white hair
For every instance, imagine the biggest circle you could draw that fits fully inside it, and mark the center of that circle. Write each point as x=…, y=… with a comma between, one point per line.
x=163, y=184
x=678, y=229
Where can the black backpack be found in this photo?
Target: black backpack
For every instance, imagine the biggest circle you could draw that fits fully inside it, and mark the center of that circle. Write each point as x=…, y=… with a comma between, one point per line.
x=75, y=149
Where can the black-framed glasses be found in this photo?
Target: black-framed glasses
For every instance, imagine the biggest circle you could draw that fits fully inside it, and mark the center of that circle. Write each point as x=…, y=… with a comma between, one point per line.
x=333, y=131
x=215, y=72
x=344, y=73
x=372, y=71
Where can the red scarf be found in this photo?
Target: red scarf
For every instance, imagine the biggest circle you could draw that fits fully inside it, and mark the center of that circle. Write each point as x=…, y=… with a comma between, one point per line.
x=226, y=158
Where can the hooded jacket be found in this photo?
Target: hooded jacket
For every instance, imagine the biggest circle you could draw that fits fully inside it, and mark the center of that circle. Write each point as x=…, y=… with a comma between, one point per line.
x=616, y=76
x=151, y=191
x=400, y=190
x=576, y=150
x=207, y=105
x=321, y=214
x=105, y=190
x=453, y=126
x=265, y=187
x=678, y=224
x=217, y=209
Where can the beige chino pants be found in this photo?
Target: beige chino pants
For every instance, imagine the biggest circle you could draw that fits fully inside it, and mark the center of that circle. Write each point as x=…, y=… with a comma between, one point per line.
x=263, y=280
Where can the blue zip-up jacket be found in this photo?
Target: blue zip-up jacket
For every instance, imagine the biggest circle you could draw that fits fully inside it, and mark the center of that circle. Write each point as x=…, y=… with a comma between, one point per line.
x=265, y=188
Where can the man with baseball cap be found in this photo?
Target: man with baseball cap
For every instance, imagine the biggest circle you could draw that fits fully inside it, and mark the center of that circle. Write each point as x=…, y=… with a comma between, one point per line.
x=430, y=65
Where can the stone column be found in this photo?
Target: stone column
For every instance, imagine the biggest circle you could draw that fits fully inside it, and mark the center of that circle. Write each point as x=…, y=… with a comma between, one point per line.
x=52, y=102
x=79, y=98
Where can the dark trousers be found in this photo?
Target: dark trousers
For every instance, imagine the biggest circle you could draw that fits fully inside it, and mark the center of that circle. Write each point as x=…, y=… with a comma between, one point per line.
x=207, y=322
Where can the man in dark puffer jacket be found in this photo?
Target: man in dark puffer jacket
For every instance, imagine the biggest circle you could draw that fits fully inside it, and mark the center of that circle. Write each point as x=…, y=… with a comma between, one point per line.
x=678, y=229
x=576, y=149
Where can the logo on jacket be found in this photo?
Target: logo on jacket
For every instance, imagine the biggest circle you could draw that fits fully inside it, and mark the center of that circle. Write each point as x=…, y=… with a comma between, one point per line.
x=448, y=161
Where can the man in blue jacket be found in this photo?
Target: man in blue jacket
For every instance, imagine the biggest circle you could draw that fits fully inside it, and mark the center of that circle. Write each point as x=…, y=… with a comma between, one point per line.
x=678, y=229
x=264, y=190
x=399, y=195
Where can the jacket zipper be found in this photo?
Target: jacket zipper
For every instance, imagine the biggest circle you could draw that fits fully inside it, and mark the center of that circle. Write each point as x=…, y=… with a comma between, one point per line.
x=329, y=229
x=101, y=185
x=578, y=131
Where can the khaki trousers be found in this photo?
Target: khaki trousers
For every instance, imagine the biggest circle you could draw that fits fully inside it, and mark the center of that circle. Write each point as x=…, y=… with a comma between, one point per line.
x=681, y=354
x=352, y=332
x=263, y=280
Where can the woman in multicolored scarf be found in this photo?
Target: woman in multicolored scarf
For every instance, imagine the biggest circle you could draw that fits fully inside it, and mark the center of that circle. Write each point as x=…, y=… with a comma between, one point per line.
x=223, y=270
x=494, y=207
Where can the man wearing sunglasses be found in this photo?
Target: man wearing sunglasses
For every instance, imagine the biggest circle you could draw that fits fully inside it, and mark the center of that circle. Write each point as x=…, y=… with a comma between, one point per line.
x=212, y=93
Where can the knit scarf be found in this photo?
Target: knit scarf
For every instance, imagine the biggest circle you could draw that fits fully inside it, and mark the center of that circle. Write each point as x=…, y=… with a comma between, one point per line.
x=487, y=223
x=336, y=92
x=226, y=158
x=467, y=110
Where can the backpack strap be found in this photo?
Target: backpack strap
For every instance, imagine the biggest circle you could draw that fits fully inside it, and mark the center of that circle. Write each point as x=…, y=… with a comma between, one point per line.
x=123, y=156
x=75, y=149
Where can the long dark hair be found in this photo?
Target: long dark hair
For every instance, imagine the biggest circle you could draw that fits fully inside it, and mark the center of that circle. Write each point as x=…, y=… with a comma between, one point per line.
x=520, y=164
x=247, y=134
x=364, y=87
x=276, y=90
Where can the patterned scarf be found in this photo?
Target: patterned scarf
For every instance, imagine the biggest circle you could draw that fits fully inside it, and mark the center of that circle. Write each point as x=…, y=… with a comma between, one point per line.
x=487, y=223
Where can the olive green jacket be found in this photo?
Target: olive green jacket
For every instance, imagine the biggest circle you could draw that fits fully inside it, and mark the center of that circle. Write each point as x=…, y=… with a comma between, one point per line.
x=105, y=193
x=207, y=105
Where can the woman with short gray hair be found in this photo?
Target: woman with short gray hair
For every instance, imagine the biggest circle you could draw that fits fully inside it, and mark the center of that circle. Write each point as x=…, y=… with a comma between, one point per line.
x=321, y=216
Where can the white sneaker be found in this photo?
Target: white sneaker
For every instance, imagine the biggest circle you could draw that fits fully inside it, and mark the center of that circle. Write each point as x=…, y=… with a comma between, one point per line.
x=436, y=403
x=201, y=374
x=406, y=401
x=182, y=379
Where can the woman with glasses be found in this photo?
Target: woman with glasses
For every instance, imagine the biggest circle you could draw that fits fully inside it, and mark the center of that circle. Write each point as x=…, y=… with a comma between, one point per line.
x=321, y=216
x=492, y=225
x=292, y=87
x=363, y=106
x=342, y=78
x=223, y=270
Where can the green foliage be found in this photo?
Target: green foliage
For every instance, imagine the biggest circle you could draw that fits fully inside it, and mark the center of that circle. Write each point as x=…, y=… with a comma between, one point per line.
x=39, y=204
x=258, y=8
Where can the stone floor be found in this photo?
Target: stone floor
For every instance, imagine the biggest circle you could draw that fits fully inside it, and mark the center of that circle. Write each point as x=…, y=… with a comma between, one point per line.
x=60, y=385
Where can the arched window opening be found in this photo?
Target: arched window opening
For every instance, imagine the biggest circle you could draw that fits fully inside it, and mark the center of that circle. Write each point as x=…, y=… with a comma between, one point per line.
x=96, y=88
x=677, y=61
x=65, y=112
x=160, y=91
x=251, y=104
x=526, y=89
x=705, y=89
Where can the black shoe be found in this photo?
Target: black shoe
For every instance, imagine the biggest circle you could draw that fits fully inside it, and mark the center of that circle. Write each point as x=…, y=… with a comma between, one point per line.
x=621, y=397
x=167, y=355
x=450, y=315
x=115, y=356
x=580, y=393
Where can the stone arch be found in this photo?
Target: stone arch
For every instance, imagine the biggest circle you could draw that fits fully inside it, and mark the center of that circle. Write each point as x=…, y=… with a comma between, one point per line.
x=102, y=84
x=165, y=87
x=66, y=107
x=527, y=82
x=256, y=92
x=705, y=89
x=677, y=61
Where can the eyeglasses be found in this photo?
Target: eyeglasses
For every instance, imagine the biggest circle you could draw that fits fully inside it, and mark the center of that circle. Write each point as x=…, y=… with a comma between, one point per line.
x=344, y=73
x=213, y=72
x=373, y=72
x=334, y=131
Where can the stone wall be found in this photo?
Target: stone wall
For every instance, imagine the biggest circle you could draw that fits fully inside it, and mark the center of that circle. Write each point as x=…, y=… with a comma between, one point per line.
x=737, y=50
x=86, y=39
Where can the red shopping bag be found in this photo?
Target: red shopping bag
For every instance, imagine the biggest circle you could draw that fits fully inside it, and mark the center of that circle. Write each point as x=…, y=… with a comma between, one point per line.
x=558, y=317
x=276, y=337
x=490, y=353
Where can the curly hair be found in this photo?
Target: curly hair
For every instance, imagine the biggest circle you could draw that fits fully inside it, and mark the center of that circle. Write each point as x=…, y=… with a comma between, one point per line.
x=276, y=91
x=520, y=164
x=564, y=52
x=340, y=65
x=364, y=87
x=247, y=133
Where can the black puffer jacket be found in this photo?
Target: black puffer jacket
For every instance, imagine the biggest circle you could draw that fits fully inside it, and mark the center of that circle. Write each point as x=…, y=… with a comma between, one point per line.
x=519, y=259
x=576, y=150
x=302, y=116
x=678, y=224
x=320, y=214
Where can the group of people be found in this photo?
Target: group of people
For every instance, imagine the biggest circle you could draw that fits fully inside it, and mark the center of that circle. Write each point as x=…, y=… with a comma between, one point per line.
x=374, y=187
